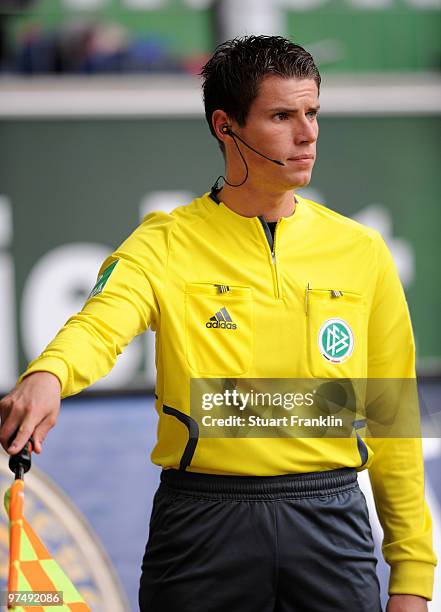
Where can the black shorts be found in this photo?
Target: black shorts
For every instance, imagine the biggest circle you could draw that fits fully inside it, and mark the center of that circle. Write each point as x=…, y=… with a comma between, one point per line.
x=291, y=543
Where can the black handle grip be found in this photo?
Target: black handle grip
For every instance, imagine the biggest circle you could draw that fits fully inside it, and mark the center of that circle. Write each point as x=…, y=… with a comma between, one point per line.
x=21, y=462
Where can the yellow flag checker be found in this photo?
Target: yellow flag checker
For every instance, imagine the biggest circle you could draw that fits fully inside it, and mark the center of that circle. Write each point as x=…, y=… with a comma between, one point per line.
x=31, y=568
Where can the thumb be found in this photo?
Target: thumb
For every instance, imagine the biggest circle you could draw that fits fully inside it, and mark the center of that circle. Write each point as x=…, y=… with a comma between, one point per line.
x=40, y=433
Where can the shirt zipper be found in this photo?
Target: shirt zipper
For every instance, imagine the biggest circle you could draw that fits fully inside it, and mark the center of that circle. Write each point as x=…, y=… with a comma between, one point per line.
x=274, y=261
x=272, y=249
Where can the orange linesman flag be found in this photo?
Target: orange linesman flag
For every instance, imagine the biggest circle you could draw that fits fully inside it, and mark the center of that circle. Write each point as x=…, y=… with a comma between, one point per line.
x=34, y=577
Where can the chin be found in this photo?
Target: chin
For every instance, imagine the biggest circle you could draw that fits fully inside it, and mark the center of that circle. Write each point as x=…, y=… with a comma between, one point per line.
x=299, y=181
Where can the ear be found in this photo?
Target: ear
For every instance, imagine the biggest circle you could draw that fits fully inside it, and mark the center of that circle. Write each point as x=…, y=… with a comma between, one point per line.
x=219, y=121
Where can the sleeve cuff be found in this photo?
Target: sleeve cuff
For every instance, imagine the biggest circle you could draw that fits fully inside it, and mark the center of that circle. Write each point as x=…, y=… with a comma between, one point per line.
x=412, y=578
x=55, y=366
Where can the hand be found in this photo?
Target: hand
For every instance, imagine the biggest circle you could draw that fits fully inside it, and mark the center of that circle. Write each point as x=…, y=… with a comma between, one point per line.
x=32, y=407
x=406, y=603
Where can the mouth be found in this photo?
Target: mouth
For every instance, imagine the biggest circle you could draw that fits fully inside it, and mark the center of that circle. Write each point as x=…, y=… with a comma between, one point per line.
x=304, y=160
x=301, y=158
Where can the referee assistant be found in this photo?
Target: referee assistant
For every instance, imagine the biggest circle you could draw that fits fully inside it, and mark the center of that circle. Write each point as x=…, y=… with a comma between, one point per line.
x=251, y=280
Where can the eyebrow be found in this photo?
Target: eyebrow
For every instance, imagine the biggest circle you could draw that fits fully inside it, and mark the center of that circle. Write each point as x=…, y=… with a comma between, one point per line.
x=292, y=110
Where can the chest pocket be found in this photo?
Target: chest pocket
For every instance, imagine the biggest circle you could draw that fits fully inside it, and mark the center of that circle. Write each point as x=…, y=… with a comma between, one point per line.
x=219, y=329
x=336, y=333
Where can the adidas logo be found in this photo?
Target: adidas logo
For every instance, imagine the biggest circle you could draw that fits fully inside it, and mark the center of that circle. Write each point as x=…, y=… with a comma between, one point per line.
x=221, y=320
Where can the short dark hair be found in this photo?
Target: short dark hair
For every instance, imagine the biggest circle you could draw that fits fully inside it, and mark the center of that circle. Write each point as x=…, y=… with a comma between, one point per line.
x=232, y=76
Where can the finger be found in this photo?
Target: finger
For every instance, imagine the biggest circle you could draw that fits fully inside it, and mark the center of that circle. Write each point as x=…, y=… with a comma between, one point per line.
x=40, y=433
x=9, y=427
x=5, y=408
x=25, y=431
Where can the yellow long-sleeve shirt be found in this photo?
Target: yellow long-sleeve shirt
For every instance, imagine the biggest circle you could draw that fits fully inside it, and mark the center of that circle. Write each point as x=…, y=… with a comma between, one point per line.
x=172, y=273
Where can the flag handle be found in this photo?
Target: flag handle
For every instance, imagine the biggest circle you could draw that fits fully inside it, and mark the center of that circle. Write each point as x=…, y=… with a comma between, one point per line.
x=21, y=462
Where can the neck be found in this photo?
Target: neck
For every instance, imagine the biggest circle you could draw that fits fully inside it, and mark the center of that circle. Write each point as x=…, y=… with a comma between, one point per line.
x=252, y=202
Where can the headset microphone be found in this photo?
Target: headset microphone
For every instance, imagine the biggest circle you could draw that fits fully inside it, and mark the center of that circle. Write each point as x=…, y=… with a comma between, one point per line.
x=227, y=130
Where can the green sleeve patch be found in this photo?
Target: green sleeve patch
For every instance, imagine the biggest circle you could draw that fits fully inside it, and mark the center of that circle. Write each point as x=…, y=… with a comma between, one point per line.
x=102, y=280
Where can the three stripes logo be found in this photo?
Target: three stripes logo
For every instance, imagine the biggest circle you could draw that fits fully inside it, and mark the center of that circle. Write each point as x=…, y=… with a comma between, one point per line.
x=221, y=320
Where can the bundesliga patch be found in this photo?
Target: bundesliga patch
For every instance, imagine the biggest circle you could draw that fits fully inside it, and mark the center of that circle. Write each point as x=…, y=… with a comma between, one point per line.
x=102, y=280
x=336, y=340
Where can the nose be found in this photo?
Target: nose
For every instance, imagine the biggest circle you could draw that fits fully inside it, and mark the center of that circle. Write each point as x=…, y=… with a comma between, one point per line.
x=306, y=131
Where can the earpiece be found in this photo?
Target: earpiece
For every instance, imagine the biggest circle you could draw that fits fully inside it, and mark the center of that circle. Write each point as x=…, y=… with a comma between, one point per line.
x=225, y=129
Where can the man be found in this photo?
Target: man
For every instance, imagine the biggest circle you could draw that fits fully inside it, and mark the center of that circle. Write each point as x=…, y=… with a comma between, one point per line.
x=247, y=282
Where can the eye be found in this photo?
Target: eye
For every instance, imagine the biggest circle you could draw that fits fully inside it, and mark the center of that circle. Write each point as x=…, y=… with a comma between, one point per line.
x=312, y=114
x=282, y=116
